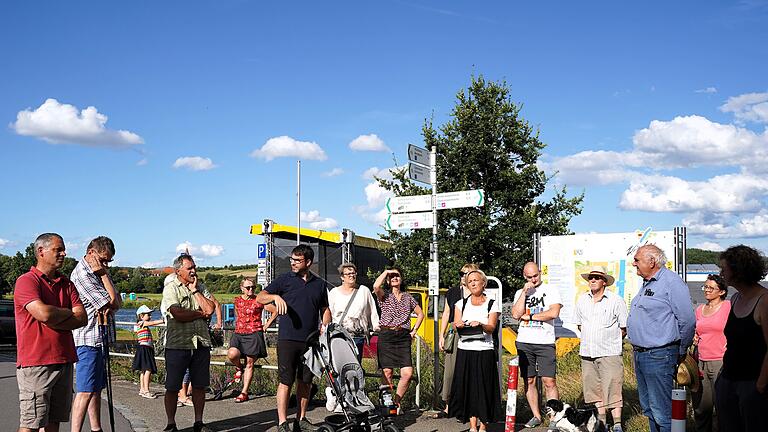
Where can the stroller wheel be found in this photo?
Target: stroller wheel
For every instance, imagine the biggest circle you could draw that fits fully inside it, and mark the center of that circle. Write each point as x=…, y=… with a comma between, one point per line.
x=325, y=428
x=390, y=427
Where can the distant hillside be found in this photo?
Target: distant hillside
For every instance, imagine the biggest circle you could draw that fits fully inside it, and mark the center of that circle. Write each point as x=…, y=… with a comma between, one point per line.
x=701, y=256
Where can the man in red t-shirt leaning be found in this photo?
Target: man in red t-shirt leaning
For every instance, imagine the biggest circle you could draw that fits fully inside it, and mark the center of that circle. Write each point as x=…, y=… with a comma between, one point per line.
x=47, y=309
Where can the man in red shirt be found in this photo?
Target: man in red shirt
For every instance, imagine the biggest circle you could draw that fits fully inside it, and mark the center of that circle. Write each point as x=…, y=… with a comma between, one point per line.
x=47, y=309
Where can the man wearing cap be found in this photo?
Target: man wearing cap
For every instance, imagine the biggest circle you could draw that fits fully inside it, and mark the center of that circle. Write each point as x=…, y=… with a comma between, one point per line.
x=100, y=299
x=186, y=307
x=536, y=306
x=660, y=327
x=602, y=319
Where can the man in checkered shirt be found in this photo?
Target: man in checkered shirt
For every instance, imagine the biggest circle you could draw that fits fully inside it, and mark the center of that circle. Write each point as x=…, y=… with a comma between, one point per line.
x=99, y=297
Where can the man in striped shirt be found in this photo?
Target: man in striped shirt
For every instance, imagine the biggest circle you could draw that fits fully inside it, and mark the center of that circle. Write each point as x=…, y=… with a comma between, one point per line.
x=99, y=297
x=602, y=319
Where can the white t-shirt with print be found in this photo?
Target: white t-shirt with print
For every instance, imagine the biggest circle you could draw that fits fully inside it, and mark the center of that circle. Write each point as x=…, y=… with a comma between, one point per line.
x=480, y=314
x=538, y=332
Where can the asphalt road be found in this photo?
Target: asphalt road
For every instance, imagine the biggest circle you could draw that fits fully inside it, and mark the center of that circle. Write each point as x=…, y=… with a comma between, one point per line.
x=9, y=401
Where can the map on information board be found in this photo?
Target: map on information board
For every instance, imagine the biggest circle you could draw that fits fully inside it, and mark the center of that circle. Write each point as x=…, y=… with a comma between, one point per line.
x=565, y=258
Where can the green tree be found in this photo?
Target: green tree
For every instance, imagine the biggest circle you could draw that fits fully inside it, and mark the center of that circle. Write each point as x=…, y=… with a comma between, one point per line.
x=487, y=145
x=701, y=256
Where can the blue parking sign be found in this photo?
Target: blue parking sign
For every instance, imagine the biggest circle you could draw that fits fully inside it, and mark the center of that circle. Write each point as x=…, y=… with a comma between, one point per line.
x=262, y=251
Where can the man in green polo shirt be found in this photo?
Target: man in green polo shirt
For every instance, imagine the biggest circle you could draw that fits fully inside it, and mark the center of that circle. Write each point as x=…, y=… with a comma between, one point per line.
x=186, y=307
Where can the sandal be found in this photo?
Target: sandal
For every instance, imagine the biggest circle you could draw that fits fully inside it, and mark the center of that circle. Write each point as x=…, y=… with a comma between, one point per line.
x=147, y=395
x=242, y=397
x=185, y=402
x=440, y=415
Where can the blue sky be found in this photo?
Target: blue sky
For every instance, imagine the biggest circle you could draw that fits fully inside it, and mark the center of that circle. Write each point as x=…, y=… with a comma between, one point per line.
x=163, y=124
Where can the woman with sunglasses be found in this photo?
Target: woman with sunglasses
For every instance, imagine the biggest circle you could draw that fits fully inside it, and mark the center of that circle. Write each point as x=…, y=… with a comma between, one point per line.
x=395, y=334
x=248, y=340
x=709, y=341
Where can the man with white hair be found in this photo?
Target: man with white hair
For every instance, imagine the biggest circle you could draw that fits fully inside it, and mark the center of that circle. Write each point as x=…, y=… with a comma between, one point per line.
x=660, y=327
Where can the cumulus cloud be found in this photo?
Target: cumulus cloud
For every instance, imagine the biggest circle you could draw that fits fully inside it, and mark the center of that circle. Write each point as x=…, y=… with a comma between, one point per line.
x=368, y=143
x=708, y=90
x=749, y=107
x=194, y=163
x=153, y=264
x=206, y=250
x=58, y=123
x=4, y=243
x=333, y=173
x=285, y=146
x=316, y=221
x=375, y=195
x=710, y=246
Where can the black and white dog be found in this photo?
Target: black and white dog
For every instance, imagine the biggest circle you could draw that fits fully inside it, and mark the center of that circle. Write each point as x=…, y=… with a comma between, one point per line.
x=565, y=418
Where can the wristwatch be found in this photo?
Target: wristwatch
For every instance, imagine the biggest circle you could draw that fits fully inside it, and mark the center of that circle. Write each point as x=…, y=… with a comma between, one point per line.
x=194, y=291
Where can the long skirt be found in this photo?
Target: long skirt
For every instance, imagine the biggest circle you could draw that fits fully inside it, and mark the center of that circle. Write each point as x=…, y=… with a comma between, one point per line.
x=475, y=390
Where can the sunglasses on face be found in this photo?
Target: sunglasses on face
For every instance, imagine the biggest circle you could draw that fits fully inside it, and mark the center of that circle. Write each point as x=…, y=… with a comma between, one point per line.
x=349, y=274
x=592, y=277
x=249, y=287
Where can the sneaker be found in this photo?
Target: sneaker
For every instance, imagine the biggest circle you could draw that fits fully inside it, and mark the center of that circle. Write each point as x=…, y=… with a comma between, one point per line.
x=533, y=422
x=285, y=427
x=617, y=428
x=306, y=426
x=200, y=427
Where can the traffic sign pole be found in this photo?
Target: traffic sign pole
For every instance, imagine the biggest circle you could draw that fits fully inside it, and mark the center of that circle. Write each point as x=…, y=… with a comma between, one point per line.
x=434, y=279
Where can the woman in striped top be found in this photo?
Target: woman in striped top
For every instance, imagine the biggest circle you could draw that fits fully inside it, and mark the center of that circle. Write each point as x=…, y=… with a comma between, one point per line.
x=394, y=347
x=144, y=360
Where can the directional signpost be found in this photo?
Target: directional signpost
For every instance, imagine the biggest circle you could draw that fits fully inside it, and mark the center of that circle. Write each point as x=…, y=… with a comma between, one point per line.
x=412, y=212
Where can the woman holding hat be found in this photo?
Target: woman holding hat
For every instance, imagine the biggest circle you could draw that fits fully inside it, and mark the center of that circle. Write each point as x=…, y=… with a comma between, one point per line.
x=709, y=341
x=144, y=359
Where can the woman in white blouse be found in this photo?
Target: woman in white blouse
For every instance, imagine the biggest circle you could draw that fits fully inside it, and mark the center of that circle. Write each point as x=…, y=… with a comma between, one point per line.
x=361, y=317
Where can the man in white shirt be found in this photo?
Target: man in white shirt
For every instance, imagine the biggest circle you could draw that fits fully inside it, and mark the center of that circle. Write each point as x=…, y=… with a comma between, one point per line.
x=536, y=306
x=602, y=319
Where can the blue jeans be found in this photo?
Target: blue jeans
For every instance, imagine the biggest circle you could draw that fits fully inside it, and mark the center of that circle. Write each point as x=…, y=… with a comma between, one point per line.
x=655, y=370
x=359, y=342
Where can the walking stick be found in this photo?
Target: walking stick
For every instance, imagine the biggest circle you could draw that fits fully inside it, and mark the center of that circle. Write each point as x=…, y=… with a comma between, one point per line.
x=106, y=326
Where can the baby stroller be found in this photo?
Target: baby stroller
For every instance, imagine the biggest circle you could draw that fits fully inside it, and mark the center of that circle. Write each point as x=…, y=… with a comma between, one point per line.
x=334, y=355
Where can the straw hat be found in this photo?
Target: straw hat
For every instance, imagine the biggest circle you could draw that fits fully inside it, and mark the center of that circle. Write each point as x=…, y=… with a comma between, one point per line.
x=600, y=271
x=688, y=374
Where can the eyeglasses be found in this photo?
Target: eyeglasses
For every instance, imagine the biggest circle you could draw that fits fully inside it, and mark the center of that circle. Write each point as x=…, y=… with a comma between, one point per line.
x=349, y=274
x=296, y=260
x=708, y=288
x=250, y=287
x=591, y=277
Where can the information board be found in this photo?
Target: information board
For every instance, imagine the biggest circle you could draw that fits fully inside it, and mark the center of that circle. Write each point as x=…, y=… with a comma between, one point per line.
x=565, y=258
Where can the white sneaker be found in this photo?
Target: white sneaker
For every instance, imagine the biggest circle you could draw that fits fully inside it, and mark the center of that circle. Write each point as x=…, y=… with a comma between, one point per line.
x=330, y=399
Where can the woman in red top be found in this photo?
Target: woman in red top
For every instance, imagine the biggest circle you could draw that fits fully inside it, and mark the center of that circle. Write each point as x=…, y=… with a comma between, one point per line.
x=248, y=340
x=709, y=340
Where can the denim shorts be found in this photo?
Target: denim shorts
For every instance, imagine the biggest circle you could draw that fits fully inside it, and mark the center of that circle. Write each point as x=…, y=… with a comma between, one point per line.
x=90, y=373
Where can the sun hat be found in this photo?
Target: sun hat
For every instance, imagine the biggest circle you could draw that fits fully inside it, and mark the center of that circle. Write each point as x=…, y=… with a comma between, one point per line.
x=143, y=309
x=688, y=374
x=600, y=271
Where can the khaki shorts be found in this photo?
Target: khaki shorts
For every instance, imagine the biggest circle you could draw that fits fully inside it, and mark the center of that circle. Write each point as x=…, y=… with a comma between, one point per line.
x=45, y=394
x=602, y=378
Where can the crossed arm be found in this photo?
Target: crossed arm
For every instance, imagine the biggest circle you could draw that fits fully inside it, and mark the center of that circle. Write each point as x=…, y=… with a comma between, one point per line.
x=58, y=318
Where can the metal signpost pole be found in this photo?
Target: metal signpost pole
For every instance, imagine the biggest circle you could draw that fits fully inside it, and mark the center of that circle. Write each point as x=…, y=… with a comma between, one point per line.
x=434, y=279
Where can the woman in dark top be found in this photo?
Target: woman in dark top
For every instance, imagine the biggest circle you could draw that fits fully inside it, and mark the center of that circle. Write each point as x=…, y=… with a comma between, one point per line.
x=453, y=296
x=742, y=387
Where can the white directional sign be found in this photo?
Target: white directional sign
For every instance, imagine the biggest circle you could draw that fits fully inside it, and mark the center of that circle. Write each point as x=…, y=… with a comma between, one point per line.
x=418, y=155
x=445, y=200
x=418, y=173
x=409, y=221
x=460, y=199
x=434, y=278
x=404, y=204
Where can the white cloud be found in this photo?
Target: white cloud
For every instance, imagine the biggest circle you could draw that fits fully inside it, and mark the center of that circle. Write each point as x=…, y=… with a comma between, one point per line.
x=142, y=162
x=749, y=107
x=708, y=90
x=4, y=243
x=720, y=194
x=285, y=146
x=710, y=246
x=153, y=264
x=317, y=222
x=194, y=163
x=368, y=143
x=206, y=250
x=57, y=123
x=333, y=173
x=593, y=167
